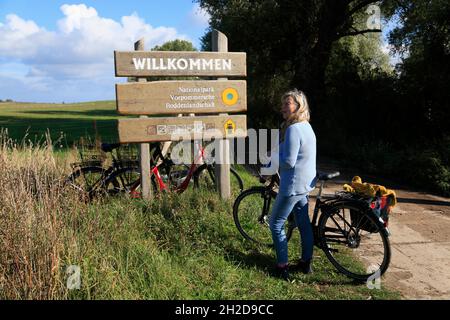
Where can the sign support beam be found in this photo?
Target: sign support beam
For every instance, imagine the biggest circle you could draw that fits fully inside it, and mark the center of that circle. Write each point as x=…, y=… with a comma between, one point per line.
x=144, y=148
x=222, y=169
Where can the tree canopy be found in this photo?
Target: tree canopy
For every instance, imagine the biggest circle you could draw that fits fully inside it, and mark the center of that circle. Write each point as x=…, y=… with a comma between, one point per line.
x=333, y=51
x=175, y=45
x=289, y=43
x=422, y=36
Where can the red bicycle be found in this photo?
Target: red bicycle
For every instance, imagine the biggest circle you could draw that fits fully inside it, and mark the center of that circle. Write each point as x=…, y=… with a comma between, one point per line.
x=168, y=176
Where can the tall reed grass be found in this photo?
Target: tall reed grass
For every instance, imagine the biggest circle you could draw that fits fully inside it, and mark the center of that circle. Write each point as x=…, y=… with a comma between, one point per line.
x=34, y=205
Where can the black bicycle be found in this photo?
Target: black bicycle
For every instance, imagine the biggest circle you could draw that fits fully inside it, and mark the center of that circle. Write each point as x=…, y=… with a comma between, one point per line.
x=352, y=236
x=89, y=176
x=93, y=177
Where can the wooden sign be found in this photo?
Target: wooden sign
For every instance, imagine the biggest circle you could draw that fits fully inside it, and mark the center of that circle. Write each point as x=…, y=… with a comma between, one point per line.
x=180, y=63
x=174, y=129
x=175, y=97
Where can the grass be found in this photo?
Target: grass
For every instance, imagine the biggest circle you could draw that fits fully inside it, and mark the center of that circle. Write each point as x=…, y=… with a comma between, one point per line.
x=174, y=247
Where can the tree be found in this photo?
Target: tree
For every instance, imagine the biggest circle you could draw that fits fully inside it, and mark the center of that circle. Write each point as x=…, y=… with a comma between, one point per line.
x=175, y=45
x=289, y=43
x=395, y=122
x=423, y=37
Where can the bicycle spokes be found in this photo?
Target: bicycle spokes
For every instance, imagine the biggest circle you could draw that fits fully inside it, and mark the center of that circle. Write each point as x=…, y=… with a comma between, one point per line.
x=251, y=218
x=355, y=251
x=251, y=213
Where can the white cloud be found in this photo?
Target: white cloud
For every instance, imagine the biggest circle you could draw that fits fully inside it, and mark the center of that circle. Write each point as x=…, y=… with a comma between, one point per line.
x=198, y=16
x=80, y=50
x=75, y=14
x=21, y=39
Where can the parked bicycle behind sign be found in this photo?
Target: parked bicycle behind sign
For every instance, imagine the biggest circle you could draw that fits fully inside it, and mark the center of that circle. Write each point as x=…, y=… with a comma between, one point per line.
x=94, y=176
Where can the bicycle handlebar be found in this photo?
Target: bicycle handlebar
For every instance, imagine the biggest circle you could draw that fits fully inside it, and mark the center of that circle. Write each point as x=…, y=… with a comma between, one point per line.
x=323, y=176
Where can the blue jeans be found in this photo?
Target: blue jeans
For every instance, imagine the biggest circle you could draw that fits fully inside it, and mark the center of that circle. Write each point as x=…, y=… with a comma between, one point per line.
x=282, y=207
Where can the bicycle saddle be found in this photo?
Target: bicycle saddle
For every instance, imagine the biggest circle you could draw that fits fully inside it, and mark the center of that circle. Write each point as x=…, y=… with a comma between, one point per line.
x=327, y=175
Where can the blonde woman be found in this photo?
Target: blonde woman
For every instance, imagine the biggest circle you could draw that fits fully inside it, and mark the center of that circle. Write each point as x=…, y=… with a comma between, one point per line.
x=297, y=160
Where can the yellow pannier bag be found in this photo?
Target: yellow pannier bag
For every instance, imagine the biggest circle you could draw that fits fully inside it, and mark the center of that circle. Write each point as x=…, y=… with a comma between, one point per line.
x=379, y=198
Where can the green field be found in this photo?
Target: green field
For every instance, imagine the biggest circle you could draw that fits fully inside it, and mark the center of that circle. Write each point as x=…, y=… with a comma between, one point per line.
x=65, y=122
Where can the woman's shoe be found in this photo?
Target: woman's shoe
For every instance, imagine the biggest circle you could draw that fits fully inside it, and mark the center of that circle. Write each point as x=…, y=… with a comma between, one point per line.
x=302, y=266
x=283, y=272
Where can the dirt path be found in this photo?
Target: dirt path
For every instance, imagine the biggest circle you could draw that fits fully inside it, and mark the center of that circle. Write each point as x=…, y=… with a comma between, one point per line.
x=420, y=241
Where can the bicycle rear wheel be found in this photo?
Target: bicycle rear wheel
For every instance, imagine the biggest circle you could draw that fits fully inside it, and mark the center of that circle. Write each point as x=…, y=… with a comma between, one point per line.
x=355, y=241
x=126, y=181
x=205, y=178
x=251, y=214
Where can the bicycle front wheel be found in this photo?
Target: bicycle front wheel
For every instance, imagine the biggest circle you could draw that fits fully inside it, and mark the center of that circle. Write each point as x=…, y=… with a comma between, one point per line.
x=355, y=241
x=251, y=214
x=87, y=181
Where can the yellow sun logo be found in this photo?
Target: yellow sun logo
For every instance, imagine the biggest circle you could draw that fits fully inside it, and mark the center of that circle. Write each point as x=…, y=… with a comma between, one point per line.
x=230, y=96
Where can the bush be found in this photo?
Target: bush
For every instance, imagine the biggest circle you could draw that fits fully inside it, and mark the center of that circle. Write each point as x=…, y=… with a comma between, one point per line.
x=429, y=171
x=422, y=165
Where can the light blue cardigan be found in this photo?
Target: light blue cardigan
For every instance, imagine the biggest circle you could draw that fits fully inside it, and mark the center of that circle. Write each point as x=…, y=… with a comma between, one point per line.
x=298, y=160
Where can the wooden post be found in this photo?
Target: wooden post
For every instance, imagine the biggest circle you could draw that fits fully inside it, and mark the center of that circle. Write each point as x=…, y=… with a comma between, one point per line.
x=144, y=148
x=222, y=170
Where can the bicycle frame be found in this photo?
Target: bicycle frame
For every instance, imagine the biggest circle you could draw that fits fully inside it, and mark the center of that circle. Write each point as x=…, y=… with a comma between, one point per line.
x=200, y=157
x=317, y=205
x=291, y=225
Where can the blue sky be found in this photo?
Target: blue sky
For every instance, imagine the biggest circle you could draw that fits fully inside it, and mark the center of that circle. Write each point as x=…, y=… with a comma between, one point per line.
x=54, y=51
x=173, y=13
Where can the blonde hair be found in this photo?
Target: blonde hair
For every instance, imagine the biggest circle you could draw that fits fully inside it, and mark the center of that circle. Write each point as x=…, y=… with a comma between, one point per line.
x=302, y=112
